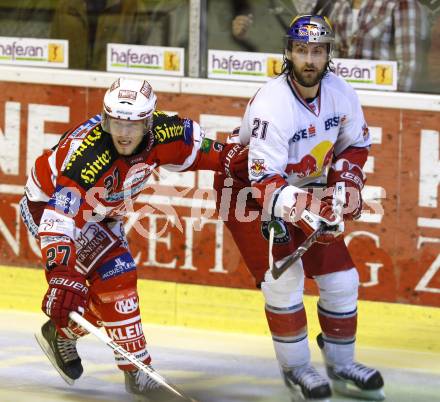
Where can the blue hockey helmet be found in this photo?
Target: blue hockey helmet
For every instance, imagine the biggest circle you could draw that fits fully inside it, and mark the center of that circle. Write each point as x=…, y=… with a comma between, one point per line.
x=311, y=29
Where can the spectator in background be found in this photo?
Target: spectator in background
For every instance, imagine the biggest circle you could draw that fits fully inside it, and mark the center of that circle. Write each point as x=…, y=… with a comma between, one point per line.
x=430, y=82
x=276, y=14
x=26, y=18
x=168, y=22
x=382, y=30
x=89, y=25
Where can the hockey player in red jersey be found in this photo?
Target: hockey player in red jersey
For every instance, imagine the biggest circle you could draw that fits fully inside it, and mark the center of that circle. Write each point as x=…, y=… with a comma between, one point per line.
x=305, y=130
x=75, y=198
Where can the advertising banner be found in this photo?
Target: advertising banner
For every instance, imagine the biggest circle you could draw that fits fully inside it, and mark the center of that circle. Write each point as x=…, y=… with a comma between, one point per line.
x=34, y=52
x=251, y=66
x=243, y=66
x=145, y=59
x=368, y=74
x=173, y=231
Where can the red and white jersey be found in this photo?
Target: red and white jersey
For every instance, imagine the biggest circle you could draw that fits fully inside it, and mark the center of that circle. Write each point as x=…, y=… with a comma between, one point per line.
x=84, y=178
x=292, y=141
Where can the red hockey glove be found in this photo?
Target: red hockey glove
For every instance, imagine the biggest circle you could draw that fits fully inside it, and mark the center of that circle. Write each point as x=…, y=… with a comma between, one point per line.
x=309, y=213
x=354, y=178
x=234, y=160
x=67, y=290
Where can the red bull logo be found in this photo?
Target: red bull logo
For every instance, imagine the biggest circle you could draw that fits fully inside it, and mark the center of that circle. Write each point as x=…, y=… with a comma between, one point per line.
x=257, y=168
x=308, y=30
x=314, y=163
x=304, y=167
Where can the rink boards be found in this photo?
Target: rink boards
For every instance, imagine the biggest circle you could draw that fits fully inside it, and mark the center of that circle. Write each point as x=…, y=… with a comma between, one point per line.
x=395, y=246
x=381, y=325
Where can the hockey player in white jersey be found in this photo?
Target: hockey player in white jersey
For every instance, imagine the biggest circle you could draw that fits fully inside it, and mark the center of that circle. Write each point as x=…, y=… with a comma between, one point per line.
x=306, y=128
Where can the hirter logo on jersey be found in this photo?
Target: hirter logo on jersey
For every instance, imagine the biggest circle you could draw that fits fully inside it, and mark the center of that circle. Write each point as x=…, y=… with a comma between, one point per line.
x=90, y=173
x=258, y=168
x=164, y=133
x=89, y=141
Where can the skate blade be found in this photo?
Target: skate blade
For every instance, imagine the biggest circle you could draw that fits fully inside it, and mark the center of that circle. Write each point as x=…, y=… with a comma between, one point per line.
x=164, y=398
x=141, y=398
x=48, y=352
x=162, y=394
x=349, y=389
x=300, y=398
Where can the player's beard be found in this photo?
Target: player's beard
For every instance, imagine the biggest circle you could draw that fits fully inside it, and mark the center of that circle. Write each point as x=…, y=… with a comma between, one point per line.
x=310, y=81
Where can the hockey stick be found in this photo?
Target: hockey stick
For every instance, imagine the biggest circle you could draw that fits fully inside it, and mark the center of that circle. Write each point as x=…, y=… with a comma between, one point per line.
x=80, y=320
x=298, y=253
x=338, y=202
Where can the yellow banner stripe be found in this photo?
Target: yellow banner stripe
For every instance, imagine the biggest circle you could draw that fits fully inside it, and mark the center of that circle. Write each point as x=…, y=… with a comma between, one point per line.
x=387, y=325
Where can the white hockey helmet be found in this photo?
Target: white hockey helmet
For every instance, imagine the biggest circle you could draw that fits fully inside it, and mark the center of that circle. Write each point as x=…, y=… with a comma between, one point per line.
x=129, y=99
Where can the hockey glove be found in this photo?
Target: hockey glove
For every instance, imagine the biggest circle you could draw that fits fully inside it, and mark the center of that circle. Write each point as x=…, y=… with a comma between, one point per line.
x=235, y=163
x=354, y=178
x=309, y=214
x=67, y=290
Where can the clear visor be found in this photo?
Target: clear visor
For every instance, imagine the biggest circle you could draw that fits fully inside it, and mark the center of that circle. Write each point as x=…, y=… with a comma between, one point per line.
x=127, y=128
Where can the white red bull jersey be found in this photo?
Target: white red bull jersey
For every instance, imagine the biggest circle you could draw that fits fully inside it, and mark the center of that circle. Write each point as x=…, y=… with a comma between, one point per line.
x=294, y=142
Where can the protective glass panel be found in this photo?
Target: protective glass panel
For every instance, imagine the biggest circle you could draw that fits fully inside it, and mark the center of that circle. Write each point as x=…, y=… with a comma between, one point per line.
x=403, y=31
x=89, y=25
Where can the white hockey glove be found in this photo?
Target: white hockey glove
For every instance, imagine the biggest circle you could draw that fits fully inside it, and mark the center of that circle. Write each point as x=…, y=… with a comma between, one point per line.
x=354, y=178
x=309, y=214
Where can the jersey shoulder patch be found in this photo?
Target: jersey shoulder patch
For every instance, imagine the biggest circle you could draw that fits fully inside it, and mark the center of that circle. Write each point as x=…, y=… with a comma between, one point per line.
x=92, y=158
x=79, y=131
x=168, y=128
x=85, y=127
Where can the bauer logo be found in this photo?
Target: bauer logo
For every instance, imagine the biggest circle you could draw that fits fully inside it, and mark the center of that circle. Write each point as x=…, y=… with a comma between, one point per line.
x=246, y=66
x=145, y=59
x=127, y=306
x=34, y=52
x=368, y=74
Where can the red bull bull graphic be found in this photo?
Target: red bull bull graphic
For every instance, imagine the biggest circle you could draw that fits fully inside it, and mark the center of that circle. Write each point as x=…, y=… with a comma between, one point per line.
x=257, y=168
x=314, y=163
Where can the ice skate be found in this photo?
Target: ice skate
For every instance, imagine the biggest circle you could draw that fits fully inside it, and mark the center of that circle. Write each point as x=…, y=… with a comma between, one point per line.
x=306, y=384
x=355, y=379
x=61, y=352
x=146, y=389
